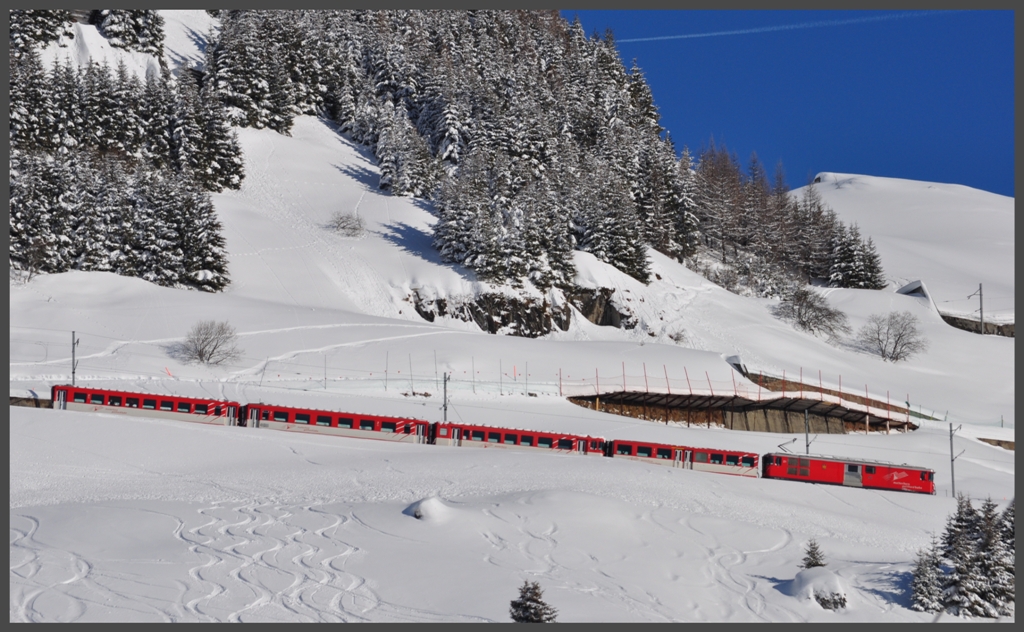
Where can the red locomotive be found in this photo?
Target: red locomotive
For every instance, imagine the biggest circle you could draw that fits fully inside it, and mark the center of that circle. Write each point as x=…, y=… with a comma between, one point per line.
x=808, y=469
x=849, y=472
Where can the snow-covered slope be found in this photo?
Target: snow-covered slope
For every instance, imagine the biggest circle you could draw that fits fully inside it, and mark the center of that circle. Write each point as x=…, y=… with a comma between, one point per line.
x=231, y=524
x=950, y=236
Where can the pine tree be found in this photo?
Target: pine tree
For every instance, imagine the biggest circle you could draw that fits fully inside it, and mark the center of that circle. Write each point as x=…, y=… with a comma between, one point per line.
x=926, y=585
x=222, y=162
x=1008, y=527
x=874, y=277
x=35, y=28
x=813, y=557
x=188, y=143
x=157, y=113
x=135, y=29
x=33, y=123
x=530, y=606
x=963, y=586
x=67, y=107
x=995, y=564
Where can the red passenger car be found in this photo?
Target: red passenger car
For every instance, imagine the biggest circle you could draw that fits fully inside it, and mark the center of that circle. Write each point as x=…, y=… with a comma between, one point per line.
x=468, y=435
x=686, y=457
x=849, y=472
x=97, y=400
x=336, y=423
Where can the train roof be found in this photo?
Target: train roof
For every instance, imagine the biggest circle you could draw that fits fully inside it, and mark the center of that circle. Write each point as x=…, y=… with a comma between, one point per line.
x=841, y=459
x=555, y=432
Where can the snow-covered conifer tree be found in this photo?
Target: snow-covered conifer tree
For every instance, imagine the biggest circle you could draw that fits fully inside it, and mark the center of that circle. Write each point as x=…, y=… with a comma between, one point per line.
x=926, y=585
x=813, y=556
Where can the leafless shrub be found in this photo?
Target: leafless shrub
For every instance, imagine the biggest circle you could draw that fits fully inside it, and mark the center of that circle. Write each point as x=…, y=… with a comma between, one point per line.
x=679, y=337
x=810, y=312
x=347, y=224
x=209, y=342
x=894, y=336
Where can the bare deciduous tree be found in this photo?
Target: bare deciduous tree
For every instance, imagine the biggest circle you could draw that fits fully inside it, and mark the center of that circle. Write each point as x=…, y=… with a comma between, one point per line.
x=210, y=342
x=346, y=224
x=810, y=312
x=894, y=336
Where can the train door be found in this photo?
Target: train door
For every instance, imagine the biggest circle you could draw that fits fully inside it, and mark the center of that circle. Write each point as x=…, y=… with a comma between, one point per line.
x=254, y=417
x=677, y=458
x=688, y=460
x=421, y=433
x=62, y=400
x=232, y=419
x=456, y=438
x=581, y=446
x=852, y=475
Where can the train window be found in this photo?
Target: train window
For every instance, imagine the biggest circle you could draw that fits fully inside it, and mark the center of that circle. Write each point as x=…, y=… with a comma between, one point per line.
x=778, y=460
x=115, y=400
x=791, y=470
x=408, y=428
x=202, y=409
x=184, y=407
x=323, y=420
x=477, y=435
x=853, y=469
x=664, y=453
x=510, y=439
x=366, y=424
x=716, y=459
x=443, y=432
x=345, y=422
x=493, y=437
x=804, y=462
x=302, y=418
x=732, y=459
x=544, y=442
x=565, y=444
x=280, y=415
x=166, y=405
x=700, y=457
x=624, y=448
x=388, y=426
x=216, y=411
x=80, y=398
x=526, y=440
x=931, y=476
x=922, y=475
x=95, y=399
x=595, y=445
x=149, y=404
x=869, y=469
x=748, y=461
x=643, y=450
x=131, y=402
x=266, y=413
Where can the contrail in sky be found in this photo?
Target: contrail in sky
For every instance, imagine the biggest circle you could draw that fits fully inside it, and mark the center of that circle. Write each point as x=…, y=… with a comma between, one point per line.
x=790, y=27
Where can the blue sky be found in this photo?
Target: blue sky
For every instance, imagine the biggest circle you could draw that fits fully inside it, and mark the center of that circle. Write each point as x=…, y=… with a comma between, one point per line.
x=918, y=95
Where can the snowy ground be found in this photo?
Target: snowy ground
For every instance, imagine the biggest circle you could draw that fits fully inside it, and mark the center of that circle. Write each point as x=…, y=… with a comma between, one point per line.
x=115, y=519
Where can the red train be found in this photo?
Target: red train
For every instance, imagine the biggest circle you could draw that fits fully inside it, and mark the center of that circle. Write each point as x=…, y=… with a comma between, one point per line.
x=809, y=469
x=849, y=472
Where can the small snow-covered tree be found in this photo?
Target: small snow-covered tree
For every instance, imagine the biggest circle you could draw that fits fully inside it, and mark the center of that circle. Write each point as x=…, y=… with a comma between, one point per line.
x=810, y=312
x=210, y=342
x=813, y=557
x=894, y=336
x=926, y=586
x=530, y=606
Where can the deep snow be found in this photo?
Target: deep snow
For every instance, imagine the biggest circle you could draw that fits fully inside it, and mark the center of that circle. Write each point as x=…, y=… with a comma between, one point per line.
x=132, y=519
